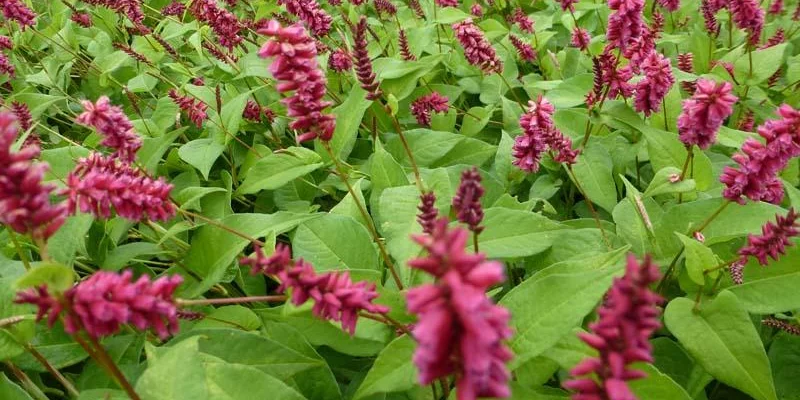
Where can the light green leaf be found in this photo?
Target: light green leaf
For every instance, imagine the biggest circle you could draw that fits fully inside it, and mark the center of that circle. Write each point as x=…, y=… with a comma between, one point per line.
x=514, y=233
x=398, y=222
x=657, y=386
x=764, y=63
x=70, y=238
x=773, y=289
x=10, y=391
x=57, y=277
x=698, y=259
x=594, y=174
x=279, y=168
x=392, y=371
x=721, y=337
x=662, y=183
x=348, y=119
x=335, y=242
x=231, y=114
x=201, y=154
x=118, y=258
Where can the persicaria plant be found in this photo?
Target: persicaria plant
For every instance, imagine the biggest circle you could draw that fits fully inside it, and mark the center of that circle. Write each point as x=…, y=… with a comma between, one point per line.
x=389, y=199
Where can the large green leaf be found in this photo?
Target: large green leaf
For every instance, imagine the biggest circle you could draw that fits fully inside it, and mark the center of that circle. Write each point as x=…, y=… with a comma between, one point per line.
x=279, y=168
x=784, y=356
x=772, y=289
x=594, y=174
x=515, y=233
x=335, y=242
x=721, y=337
x=201, y=154
x=348, y=119
x=699, y=258
x=10, y=391
x=398, y=222
x=392, y=371
x=546, y=306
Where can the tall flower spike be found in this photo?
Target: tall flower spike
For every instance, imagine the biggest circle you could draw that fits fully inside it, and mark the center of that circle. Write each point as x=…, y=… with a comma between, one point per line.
x=780, y=324
x=99, y=183
x=428, y=213
x=385, y=7
x=615, y=77
x=759, y=164
x=16, y=10
x=459, y=330
x=6, y=67
x=670, y=5
x=174, y=9
x=114, y=125
x=747, y=122
x=405, y=49
x=658, y=79
x=627, y=318
x=773, y=240
x=363, y=63
x=340, y=61
x=24, y=200
x=625, y=24
x=194, y=109
x=418, y=11
x=422, y=107
x=704, y=113
x=777, y=38
x=467, y=200
x=446, y=3
x=83, y=19
x=310, y=12
x=748, y=15
x=522, y=20
x=525, y=50
x=709, y=17
x=6, y=43
x=685, y=64
x=130, y=8
x=478, y=51
x=539, y=133
x=224, y=24
x=476, y=10
x=23, y=114
x=295, y=66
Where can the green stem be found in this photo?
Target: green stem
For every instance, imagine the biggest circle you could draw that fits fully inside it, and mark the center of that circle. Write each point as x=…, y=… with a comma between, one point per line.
x=26, y=382
x=708, y=220
x=589, y=204
x=22, y=256
x=55, y=372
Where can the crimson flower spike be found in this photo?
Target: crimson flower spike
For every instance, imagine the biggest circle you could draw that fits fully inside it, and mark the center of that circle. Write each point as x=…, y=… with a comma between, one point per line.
x=773, y=240
x=364, y=70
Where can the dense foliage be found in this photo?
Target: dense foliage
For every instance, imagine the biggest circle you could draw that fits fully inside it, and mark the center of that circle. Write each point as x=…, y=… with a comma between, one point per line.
x=399, y=199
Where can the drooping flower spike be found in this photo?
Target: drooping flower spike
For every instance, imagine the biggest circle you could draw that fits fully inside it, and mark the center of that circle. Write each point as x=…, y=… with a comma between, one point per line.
x=773, y=240
x=224, y=23
x=422, y=107
x=17, y=11
x=658, y=79
x=194, y=108
x=478, y=51
x=704, y=112
x=114, y=125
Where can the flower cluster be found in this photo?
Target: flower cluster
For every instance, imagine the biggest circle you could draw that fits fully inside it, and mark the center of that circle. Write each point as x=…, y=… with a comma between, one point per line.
x=467, y=200
x=704, y=112
x=82, y=18
x=625, y=24
x=773, y=240
x=405, y=49
x=628, y=316
x=567, y=5
x=309, y=11
x=709, y=18
x=224, y=24
x=385, y=7
x=478, y=51
x=459, y=330
x=422, y=107
x=174, y=9
x=658, y=79
x=525, y=50
x=194, y=109
x=336, y=297
x=114, y=125
x=686, y=64
x=476, y=10
x=252, y=111
x=522, y=20
x=580, y=38
x=24, y=200
x=16, y=10
x=539, y=133
x=748, y=15
x=446, y=3
x=340, y=61
x=670, y=5
x=295, y=66
x=130, y=8
x=756, y=176
x=107, y=300
x=99, y=183
x=363, y=64
x=428, y=213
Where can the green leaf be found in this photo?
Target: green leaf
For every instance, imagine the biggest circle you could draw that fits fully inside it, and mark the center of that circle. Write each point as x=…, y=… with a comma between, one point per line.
x=10, y=391
x=773, y=289
x=14, y=336
x=392, y=371
x=201, y=154
x=784, y=356
x=118, y=258
x=70, y=238
x=385, y=172
x=59, y=348
x=184, y=373
x=231, y=114
x=657, y=386
x=335, y=242
x=721, y=337
x=57, y=277
x=662, y=183
x=666, y=150
x=549, y=304
x=514, y=233
x=764, y=63
x=698, y=259
x=398, y=222
x=594, y=174
x=279, y=168
x=348, y=119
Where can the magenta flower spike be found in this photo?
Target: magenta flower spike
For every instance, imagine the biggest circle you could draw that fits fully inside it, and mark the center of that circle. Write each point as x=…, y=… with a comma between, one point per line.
x=99, y=183
x=24, y=200
x=194, y=109
x=658, y=79
x=539, y=134
x=524, y=49
x=364, y=70
x=627, y=318
x=340, y=61
x=459, y=330
x=467, y=200
x=522, y=20
x=16, y=10
x=174, y=9
x=748, y=15
x=295, y=67
x=476, y=10
x=704, y=112
x=625, y=24
x=580, y=38
x=428, y=213
x=114, y=125
x=261, y=264
x=224, y=24
x=422, y=107
x=478, y=51
x=773, y=240
x=310, y=12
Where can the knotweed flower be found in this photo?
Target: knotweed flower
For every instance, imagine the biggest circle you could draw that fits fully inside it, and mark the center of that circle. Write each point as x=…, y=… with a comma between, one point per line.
x=476, y=10
x=386, y=7
x=194, y=109
x=614, y=77
x=709, y=17
x=6, y=43
x=539, y=133
x=522, y=20
x=704, y=112
x=336, y=297
x=428, y=213
x=219, y=54
x=759, y=164
x=658, y=79
x=174, y=9
x=309, y=11
x=477, y=49
x=24, y=200
x=46, y=304
x=776, y=8
x=467, y=200
x=785, y=326
x=17, y=10
x=625, y=23
x=422, y=107
x=417, y=8
x=130, y=8
x=747, y=122
x=132, y=53
x=252, y=112
x=525, y=50
x=99, y=183
x=447, y=3
x=737, y=272
x=459, y=330
x=748, y=15
x=405, y=50
x=224, y=24
x=340, y=61
x=628, y=317
x=580, y=38
x=774, y=40
x=23, y=114
x=295, y=66
x=773, y=240
x=686, y=64
x=363, y=63
x=670, y=5
x=796, y=13
x=114, y=125
x=6, y=67
x=83, y=19
x=567, y=5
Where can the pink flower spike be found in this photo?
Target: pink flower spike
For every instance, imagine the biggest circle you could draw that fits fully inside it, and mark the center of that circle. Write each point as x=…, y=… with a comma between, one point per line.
x=467, y=200
x=625, y=24
x=16, y=10
x=428, y=213
x=364, y=70
x=524, y=22
x=310, y=12
x=340, y=61
x=224, y=24
x=447, y=3
x=658, y=79
x=524, y=49
x=272, y=265
x=580, y=38
x=478, y=51
x=82, y=18
x=194, y=109
x=422, y=107
x=476, y=10
x=748, y=15
x=174, y=9
x=114, y=125
x=627, y=318
x=773, y=240
x=704, y=112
